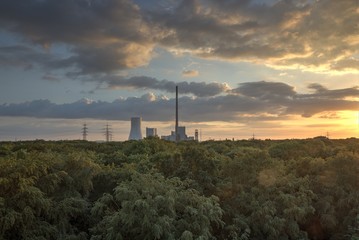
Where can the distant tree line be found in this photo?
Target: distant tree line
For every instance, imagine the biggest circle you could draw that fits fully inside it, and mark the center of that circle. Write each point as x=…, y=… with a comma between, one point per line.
x=154, y=189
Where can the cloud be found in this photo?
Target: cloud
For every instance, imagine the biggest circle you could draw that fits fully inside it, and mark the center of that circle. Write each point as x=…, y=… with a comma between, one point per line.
x=312, y=34
x=265, y=90
x=120, y=109
x=50, y=77
x=75, y=21
x=190, y=73
x=110, y=58
x=23, y=56
x=112, y=35
x=199, y=89
x=322, y=92
x=283, y=99
x=346, y=64
x=323, y=100
x=271, y=103
x=102, y=36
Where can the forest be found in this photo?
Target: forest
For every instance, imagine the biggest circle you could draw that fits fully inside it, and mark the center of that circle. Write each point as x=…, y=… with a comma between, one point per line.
x=154, y=189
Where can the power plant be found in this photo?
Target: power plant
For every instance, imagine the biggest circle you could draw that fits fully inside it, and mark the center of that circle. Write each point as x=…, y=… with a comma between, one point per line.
x=135, y=132
x=179, y=133
x=151, y=132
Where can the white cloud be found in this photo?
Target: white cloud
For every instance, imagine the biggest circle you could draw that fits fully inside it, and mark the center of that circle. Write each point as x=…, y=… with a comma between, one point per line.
x=190, y=73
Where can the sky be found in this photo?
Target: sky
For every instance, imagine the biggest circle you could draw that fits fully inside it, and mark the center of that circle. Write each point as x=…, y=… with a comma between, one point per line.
x=273, y=69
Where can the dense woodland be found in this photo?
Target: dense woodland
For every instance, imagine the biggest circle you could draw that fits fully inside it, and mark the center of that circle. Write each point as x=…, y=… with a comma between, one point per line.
x=153, y=189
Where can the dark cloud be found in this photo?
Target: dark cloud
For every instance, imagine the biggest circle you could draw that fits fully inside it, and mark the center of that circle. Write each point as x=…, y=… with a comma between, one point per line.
x=23, y=56
x=109, y=58
x=322, y=92
x=284, y=33
x=317, y=87
x=106, y=36
x=348, y=63
x=150, y=107
x=103, y=36
x=265, y=90
x=309, y=107
x=74, y=21
x=199, y=89
x=277, y=104
x=121, y=109
x=283, y=99
x=329, y=32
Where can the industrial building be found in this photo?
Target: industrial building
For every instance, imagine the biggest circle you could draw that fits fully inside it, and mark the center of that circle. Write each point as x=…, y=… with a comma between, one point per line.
x=151, y=132
x=181, y=135
x=180, y=131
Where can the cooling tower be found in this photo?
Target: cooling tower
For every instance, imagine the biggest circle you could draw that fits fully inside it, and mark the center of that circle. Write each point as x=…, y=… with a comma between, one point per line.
x=135, y=133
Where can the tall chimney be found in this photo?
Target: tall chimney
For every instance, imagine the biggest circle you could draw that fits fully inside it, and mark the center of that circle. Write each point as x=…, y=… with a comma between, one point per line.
x=176, y=128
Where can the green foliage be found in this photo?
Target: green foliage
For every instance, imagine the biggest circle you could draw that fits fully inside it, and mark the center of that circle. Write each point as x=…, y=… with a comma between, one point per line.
x=243, y=166
x=152, y=207
x=354, y=230
x=154, y=189
x=287, y=150
x=44, y=194
x=117, y=158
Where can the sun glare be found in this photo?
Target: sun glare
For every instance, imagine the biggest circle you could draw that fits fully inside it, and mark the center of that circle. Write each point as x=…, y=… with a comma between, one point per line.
x=348, y=124
x=348, y=118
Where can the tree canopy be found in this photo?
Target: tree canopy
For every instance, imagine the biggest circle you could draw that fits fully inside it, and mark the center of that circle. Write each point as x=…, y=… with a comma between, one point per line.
x=154, y=189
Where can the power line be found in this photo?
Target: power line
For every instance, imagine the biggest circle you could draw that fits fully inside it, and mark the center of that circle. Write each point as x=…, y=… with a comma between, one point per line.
x=84, y=132
x=108, y=133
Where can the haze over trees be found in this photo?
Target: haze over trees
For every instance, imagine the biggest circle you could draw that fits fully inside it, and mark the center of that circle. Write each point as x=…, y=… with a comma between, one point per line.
x=153, y=189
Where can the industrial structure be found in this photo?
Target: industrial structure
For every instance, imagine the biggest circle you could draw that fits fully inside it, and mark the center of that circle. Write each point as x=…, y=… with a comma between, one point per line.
x=84, y=132
x=177, y=138
x=135, y=132
x=108, y=133
x=151, y=132
x=179, y=134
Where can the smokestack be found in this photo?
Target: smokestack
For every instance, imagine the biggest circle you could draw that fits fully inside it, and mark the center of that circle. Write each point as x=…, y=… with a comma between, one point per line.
x=176, y=127
x=135, y=133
